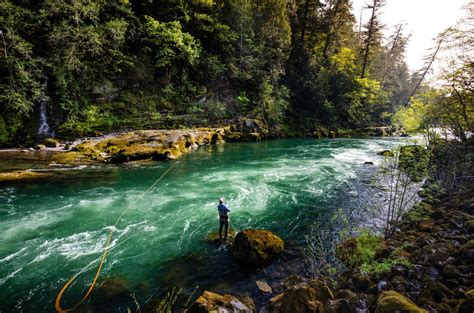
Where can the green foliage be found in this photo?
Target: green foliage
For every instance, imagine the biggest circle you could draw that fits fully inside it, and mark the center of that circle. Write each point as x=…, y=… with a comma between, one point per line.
x=92, y=119
x=365, y=256
x=411, y=118
x=294, y=65
x=419, y=212
x=413, y=161
x=242, y=99
x=365, y=101
x=377, y=268
x=170, y=44
x=367, y=245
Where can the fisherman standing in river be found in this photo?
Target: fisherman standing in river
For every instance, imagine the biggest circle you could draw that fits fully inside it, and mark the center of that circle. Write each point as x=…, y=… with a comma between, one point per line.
x=223, y=218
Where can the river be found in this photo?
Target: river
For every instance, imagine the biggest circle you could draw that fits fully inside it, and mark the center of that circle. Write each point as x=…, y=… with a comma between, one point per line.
x=50, y=231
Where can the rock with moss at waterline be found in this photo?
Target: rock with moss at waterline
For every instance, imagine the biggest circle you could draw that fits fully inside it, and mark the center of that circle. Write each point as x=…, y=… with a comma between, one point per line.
x=256, y=247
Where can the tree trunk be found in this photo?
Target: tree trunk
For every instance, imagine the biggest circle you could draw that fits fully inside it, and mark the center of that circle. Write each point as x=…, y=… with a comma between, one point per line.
x=369, y=37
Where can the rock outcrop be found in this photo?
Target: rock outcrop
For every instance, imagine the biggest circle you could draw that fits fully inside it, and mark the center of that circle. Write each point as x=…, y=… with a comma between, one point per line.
x=213, y=302
x=257, y=247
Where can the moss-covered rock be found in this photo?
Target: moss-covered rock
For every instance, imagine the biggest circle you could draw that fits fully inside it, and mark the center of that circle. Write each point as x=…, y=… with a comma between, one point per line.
x=23, y=176
x=51, y=143
x=213, y=302
x=299, y=298
x=257, y=247
x=323, y=292
x=392, y=301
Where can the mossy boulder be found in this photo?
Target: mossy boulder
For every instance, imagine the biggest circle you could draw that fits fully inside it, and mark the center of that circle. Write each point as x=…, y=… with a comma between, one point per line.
x=391, y=301
x=213, y=302
x=40, y=147
x=51, y=143
x=299, y=298
x=255, y=247
x=323, y=292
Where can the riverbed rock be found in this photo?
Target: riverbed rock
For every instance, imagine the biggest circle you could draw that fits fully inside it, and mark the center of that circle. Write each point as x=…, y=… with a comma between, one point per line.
x=213, y=302
x=40, y=147
x=392, y=301
x=256, y=247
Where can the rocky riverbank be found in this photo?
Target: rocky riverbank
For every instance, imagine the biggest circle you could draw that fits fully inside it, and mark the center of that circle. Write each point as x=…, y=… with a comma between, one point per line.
x=437, y=241
x=144, y=145
x=136, y=146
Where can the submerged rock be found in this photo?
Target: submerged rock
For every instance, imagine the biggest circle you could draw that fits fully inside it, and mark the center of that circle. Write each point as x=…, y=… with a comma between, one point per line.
x=257, y=247
x=111, y=291
x=213, y=302
x=392, y=301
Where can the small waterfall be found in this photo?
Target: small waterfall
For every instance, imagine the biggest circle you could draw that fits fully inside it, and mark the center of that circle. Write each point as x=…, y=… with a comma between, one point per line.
x=44, y=128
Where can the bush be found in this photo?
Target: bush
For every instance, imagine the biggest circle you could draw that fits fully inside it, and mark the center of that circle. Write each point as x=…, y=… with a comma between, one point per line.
x=368, y=253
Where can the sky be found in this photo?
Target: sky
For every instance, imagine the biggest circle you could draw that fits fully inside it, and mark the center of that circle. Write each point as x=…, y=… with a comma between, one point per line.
x=424, y=19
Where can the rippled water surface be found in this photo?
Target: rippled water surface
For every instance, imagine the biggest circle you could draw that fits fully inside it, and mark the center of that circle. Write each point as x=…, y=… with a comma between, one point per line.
x=50, y=231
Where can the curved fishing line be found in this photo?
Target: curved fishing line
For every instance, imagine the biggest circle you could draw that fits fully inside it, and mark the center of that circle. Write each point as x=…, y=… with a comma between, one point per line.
x=57, y=303
x=87, y=267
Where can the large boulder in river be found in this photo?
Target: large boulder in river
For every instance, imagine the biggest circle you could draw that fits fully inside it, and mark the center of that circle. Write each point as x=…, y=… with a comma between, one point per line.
x=213, y=302
x=391, y=301
x=255, y=247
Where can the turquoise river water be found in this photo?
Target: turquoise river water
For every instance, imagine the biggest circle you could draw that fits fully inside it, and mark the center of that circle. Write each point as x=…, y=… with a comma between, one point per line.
x=50, y=231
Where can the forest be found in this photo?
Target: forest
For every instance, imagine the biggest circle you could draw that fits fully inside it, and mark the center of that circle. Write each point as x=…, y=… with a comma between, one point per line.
x=99, y=66
x=136, y=174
